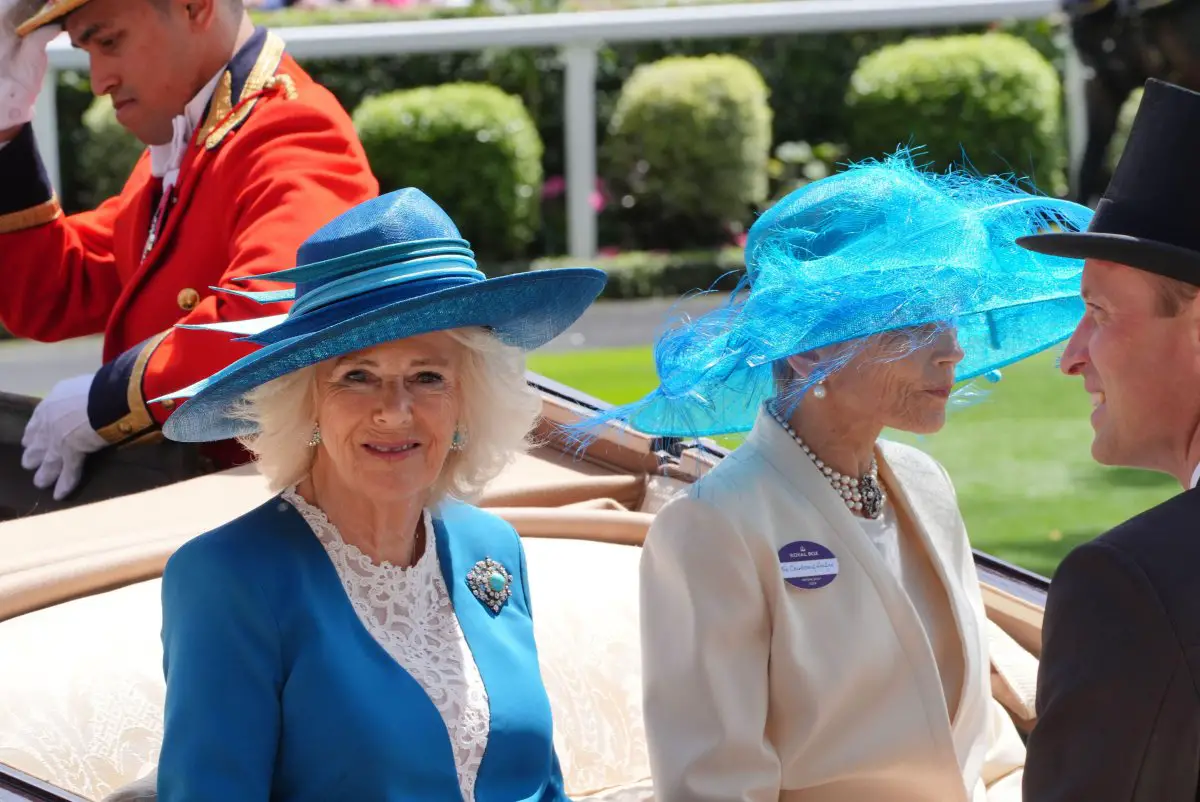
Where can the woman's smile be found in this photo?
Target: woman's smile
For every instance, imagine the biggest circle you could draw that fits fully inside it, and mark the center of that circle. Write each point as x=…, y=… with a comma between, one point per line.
x=391, y=451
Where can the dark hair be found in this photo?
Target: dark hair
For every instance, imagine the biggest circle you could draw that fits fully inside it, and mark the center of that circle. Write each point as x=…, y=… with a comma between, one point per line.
x=1173, y=295
x=234, y=5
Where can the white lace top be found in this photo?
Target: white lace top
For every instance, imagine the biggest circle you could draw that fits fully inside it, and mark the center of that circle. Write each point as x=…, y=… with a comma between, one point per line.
x=409, y=613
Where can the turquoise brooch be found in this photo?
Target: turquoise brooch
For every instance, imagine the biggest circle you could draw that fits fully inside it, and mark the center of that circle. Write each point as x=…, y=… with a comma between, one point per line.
x=490, y=583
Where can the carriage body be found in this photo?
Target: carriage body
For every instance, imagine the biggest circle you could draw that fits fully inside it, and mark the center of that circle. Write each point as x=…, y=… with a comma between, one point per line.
x=81, y=688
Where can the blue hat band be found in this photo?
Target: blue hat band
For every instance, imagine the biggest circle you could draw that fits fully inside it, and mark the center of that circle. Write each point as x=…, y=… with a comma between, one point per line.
x=338, y=266
x=311, y=297
x=339, y=311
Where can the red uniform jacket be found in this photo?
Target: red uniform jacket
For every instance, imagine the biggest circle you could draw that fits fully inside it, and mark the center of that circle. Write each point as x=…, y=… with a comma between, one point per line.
x=275, y=159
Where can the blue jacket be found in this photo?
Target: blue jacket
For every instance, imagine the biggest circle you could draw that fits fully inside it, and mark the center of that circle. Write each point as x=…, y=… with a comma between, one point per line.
x=275, y=690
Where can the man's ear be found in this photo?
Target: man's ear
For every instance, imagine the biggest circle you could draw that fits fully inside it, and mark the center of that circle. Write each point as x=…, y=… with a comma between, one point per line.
x=1193, y=331
x=200, y=13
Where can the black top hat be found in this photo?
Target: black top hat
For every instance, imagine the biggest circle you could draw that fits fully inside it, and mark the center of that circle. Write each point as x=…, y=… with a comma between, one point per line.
x=1149, y=217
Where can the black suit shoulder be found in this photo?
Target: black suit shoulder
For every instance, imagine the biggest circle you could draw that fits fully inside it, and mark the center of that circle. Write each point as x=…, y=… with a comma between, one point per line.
x=1163, y=544
x=1161, y=526
x=1117, y=699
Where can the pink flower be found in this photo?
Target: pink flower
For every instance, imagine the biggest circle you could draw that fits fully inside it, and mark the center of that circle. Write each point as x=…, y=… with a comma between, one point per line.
x=554, y=187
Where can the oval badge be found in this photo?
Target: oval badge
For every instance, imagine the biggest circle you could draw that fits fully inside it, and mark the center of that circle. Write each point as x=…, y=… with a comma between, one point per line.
x=808, y=565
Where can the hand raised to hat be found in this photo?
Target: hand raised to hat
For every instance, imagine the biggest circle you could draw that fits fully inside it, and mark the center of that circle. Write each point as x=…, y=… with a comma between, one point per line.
x=59, y=437
x=23, y=65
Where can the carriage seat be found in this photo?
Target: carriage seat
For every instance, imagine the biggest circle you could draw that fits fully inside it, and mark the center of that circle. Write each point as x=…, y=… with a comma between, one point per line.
x=82, y=701
x=81, y=690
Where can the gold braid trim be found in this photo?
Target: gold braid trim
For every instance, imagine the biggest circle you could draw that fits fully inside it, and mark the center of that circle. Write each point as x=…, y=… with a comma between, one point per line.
x=139, y=418
x=284, y=81
x=49, y=13
x=220, y=107
x=32, y=217
x=263, y=72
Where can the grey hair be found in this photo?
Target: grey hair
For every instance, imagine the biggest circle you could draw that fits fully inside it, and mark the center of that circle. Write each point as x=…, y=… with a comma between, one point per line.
x=893, y=345
x=499, y=409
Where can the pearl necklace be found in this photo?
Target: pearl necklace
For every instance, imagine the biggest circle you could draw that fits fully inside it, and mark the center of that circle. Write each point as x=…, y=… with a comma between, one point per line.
x=864, y=496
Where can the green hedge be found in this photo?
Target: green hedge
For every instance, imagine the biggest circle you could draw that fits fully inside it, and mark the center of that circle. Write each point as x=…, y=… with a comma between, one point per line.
x=470, y=147
x=108, y=154
x=650, y=274
x=687, y=149
x=1124, y=124
x=992, y=96
x=808, y=74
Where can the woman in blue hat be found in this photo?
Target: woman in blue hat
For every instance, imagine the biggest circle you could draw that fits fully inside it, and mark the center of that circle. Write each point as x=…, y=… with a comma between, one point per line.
x=813, y=627
x=367, y=634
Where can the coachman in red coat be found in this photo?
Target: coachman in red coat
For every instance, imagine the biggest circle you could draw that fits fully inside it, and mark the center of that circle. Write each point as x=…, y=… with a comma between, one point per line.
x=248, y=157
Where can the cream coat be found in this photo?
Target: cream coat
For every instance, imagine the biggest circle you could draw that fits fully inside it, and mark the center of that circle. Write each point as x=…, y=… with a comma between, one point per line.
x=758, y=690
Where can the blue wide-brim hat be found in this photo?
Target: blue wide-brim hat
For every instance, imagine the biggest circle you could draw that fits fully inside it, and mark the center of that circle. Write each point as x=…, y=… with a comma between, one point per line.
x=879, y=247
x=390, y=268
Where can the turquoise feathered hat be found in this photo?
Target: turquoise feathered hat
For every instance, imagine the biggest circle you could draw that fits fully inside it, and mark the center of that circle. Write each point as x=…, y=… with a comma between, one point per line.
x=879, y=247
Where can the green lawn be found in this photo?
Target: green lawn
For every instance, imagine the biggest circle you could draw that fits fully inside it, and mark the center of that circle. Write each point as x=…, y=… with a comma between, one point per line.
x=1019, y=459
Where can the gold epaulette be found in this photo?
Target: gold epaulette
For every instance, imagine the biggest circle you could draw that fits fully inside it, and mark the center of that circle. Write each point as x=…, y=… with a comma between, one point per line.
x=225, y=113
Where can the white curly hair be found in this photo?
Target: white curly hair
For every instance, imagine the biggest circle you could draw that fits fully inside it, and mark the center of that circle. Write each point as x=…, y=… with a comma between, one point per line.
x=499, y=410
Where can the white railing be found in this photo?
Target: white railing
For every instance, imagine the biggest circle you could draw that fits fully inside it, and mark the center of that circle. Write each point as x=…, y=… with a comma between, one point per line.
x=578, y=36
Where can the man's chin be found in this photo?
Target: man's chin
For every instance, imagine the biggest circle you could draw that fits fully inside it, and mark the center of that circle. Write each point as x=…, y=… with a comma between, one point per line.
x=140, y=132
x=149, y=140
x=1106, y=452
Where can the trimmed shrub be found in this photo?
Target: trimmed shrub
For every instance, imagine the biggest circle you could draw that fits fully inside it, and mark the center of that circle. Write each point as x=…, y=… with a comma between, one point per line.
x=645, y=274
x=107, y=154
x=1124, y=125
x=470, y=147
x=807, y=74
x=688, y=148
x=992, y=97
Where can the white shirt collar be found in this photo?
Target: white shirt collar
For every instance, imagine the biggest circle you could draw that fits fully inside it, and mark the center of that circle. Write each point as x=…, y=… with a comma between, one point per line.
x=1196, y=475
x=165, y=160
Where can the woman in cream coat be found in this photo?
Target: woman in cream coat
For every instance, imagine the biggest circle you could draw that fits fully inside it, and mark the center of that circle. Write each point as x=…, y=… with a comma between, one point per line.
x=812, y=621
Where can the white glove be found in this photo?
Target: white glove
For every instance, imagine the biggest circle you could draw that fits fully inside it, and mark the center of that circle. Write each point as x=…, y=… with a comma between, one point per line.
x=59, y=436
x=23, y=65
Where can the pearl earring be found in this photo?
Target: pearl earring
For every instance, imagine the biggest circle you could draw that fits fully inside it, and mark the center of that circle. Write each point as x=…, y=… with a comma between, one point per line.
x=819, y=390
x=315, y=440
x=459, y=442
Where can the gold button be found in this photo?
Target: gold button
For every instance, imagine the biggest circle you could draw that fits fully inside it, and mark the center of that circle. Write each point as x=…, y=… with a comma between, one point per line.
x=169, y=403
x=188, y=298
x=126, y=427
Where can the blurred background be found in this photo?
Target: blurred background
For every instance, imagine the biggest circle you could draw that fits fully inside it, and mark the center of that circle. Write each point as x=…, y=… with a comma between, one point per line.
x=644, y=138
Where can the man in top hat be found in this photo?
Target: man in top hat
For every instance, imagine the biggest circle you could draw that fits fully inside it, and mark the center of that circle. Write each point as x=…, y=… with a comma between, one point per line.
x=1118, y=695
x=247, y=157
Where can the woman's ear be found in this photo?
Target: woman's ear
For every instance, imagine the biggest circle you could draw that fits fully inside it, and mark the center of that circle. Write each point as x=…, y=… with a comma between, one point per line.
x=803, y=365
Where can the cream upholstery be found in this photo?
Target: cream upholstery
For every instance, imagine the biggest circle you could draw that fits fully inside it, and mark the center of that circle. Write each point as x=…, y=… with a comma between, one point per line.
x=81, y=705
x=1014, y=676
x=585, y=610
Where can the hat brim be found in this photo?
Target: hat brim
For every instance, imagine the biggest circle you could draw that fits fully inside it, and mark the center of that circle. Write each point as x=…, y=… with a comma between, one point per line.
x=1156, y=257
x=49, y=14
x=525, y=310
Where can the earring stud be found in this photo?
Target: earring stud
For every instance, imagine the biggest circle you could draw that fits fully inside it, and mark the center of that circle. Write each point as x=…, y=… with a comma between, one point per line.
x=819, y=391
x=315, y=439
